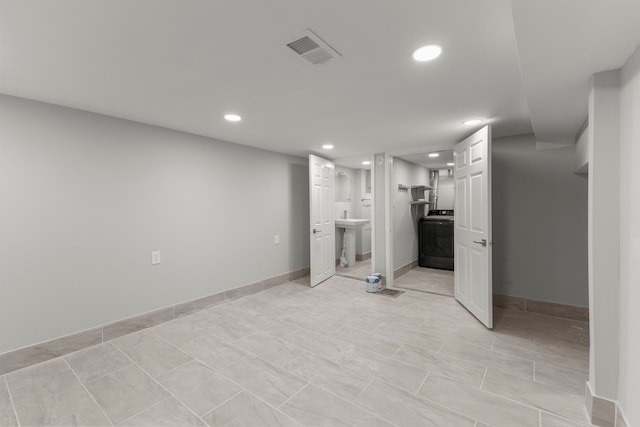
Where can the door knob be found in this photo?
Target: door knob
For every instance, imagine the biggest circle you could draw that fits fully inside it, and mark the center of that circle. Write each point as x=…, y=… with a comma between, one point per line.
x=316, y=231
x=482, y=242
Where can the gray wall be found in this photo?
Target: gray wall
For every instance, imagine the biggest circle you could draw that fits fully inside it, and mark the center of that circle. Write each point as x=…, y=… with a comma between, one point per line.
x=629, y=315
x=539, y=223
x=86, y=198
x=405, y=217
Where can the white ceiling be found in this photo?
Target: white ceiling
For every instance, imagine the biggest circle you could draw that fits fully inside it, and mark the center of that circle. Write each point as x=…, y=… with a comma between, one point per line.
x=184, y=64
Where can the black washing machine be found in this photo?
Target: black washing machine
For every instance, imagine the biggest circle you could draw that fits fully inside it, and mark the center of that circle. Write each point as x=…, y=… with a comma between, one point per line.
x=435, y=240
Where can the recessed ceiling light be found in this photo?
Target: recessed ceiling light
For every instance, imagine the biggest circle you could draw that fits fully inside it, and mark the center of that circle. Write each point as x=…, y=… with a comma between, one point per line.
x=427, y=53
x=366, y=162
x=434, y=154
x=450, y=164
x=327, y=147
x=472, y=122
x=232, y=117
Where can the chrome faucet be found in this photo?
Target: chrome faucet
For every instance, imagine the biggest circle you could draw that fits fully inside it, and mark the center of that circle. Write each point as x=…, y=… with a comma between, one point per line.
x=344, y=214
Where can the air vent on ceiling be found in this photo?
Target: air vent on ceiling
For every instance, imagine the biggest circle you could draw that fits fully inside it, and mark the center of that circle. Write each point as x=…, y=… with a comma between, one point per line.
x=312, y=48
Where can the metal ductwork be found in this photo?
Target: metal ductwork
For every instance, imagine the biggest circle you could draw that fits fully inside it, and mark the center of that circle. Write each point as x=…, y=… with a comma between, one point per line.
x=434, y=178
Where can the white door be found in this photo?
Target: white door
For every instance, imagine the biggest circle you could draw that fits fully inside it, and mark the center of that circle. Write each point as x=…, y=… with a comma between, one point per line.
x=473, y=282
x=322, y=221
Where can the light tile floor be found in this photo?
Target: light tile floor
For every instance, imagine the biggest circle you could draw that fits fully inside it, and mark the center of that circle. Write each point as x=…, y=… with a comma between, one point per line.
x=359, y=271
x=328, y=356
x=423, y=279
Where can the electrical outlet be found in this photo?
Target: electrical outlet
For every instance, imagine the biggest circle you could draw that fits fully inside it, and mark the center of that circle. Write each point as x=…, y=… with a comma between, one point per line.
x=155, y=258
x=276, y=239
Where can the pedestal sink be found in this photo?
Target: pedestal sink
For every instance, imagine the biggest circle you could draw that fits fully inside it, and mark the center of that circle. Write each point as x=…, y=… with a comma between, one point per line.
x=350, y=226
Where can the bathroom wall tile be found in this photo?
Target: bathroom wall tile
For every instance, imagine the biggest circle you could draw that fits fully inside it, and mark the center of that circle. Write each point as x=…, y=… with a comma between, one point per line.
x=445, y=366
x=212, y=351
x=556, y=401
x=125, y=393
x=32, y=355
x=59, y=399
x=329, y=375
x=132, y=340
x=179, y=330
x=96, y=361
x=245, y=410
x=316, y=407
x=7, y=414
x=478, y=404
x=198, y=386
x=274, y=350
x=243, y=291
x=326, y=347
x=157, y=357
x=169, y=413
x=269, y=383
x=391, y=371
x=189, y=307
x=405, y=409
x=136, y=323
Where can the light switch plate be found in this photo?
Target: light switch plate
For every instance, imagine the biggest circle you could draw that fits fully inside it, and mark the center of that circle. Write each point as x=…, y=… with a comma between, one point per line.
x=155, y=258
x=276, y=240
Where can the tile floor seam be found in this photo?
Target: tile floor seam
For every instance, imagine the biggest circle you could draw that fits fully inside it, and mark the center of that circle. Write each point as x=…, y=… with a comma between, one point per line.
x=364, y=389
x=91, y=396
x=422, y=383
x=13, y=405
x=539, y=418
x=397, y=350
x=536, y=408
x=484, y=375
x=242, y=388
x=434, y=403
x=145, y=410
x=149, y=329
x=222, y=403
x=176, y=367
x=177, y=348
x=354, y=403
x=294, y=395
x=163, y=388
x=262, y=400
x=104, y=375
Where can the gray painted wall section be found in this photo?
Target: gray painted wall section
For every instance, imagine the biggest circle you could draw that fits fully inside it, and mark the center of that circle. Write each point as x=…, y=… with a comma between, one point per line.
x=86, y=198
x=604, y=238
x=405, y=217
x=539, y=223
x=629, y=315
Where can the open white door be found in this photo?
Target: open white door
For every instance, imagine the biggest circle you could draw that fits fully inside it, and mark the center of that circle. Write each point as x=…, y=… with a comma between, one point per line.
x=322, y=221
x=473, y=282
